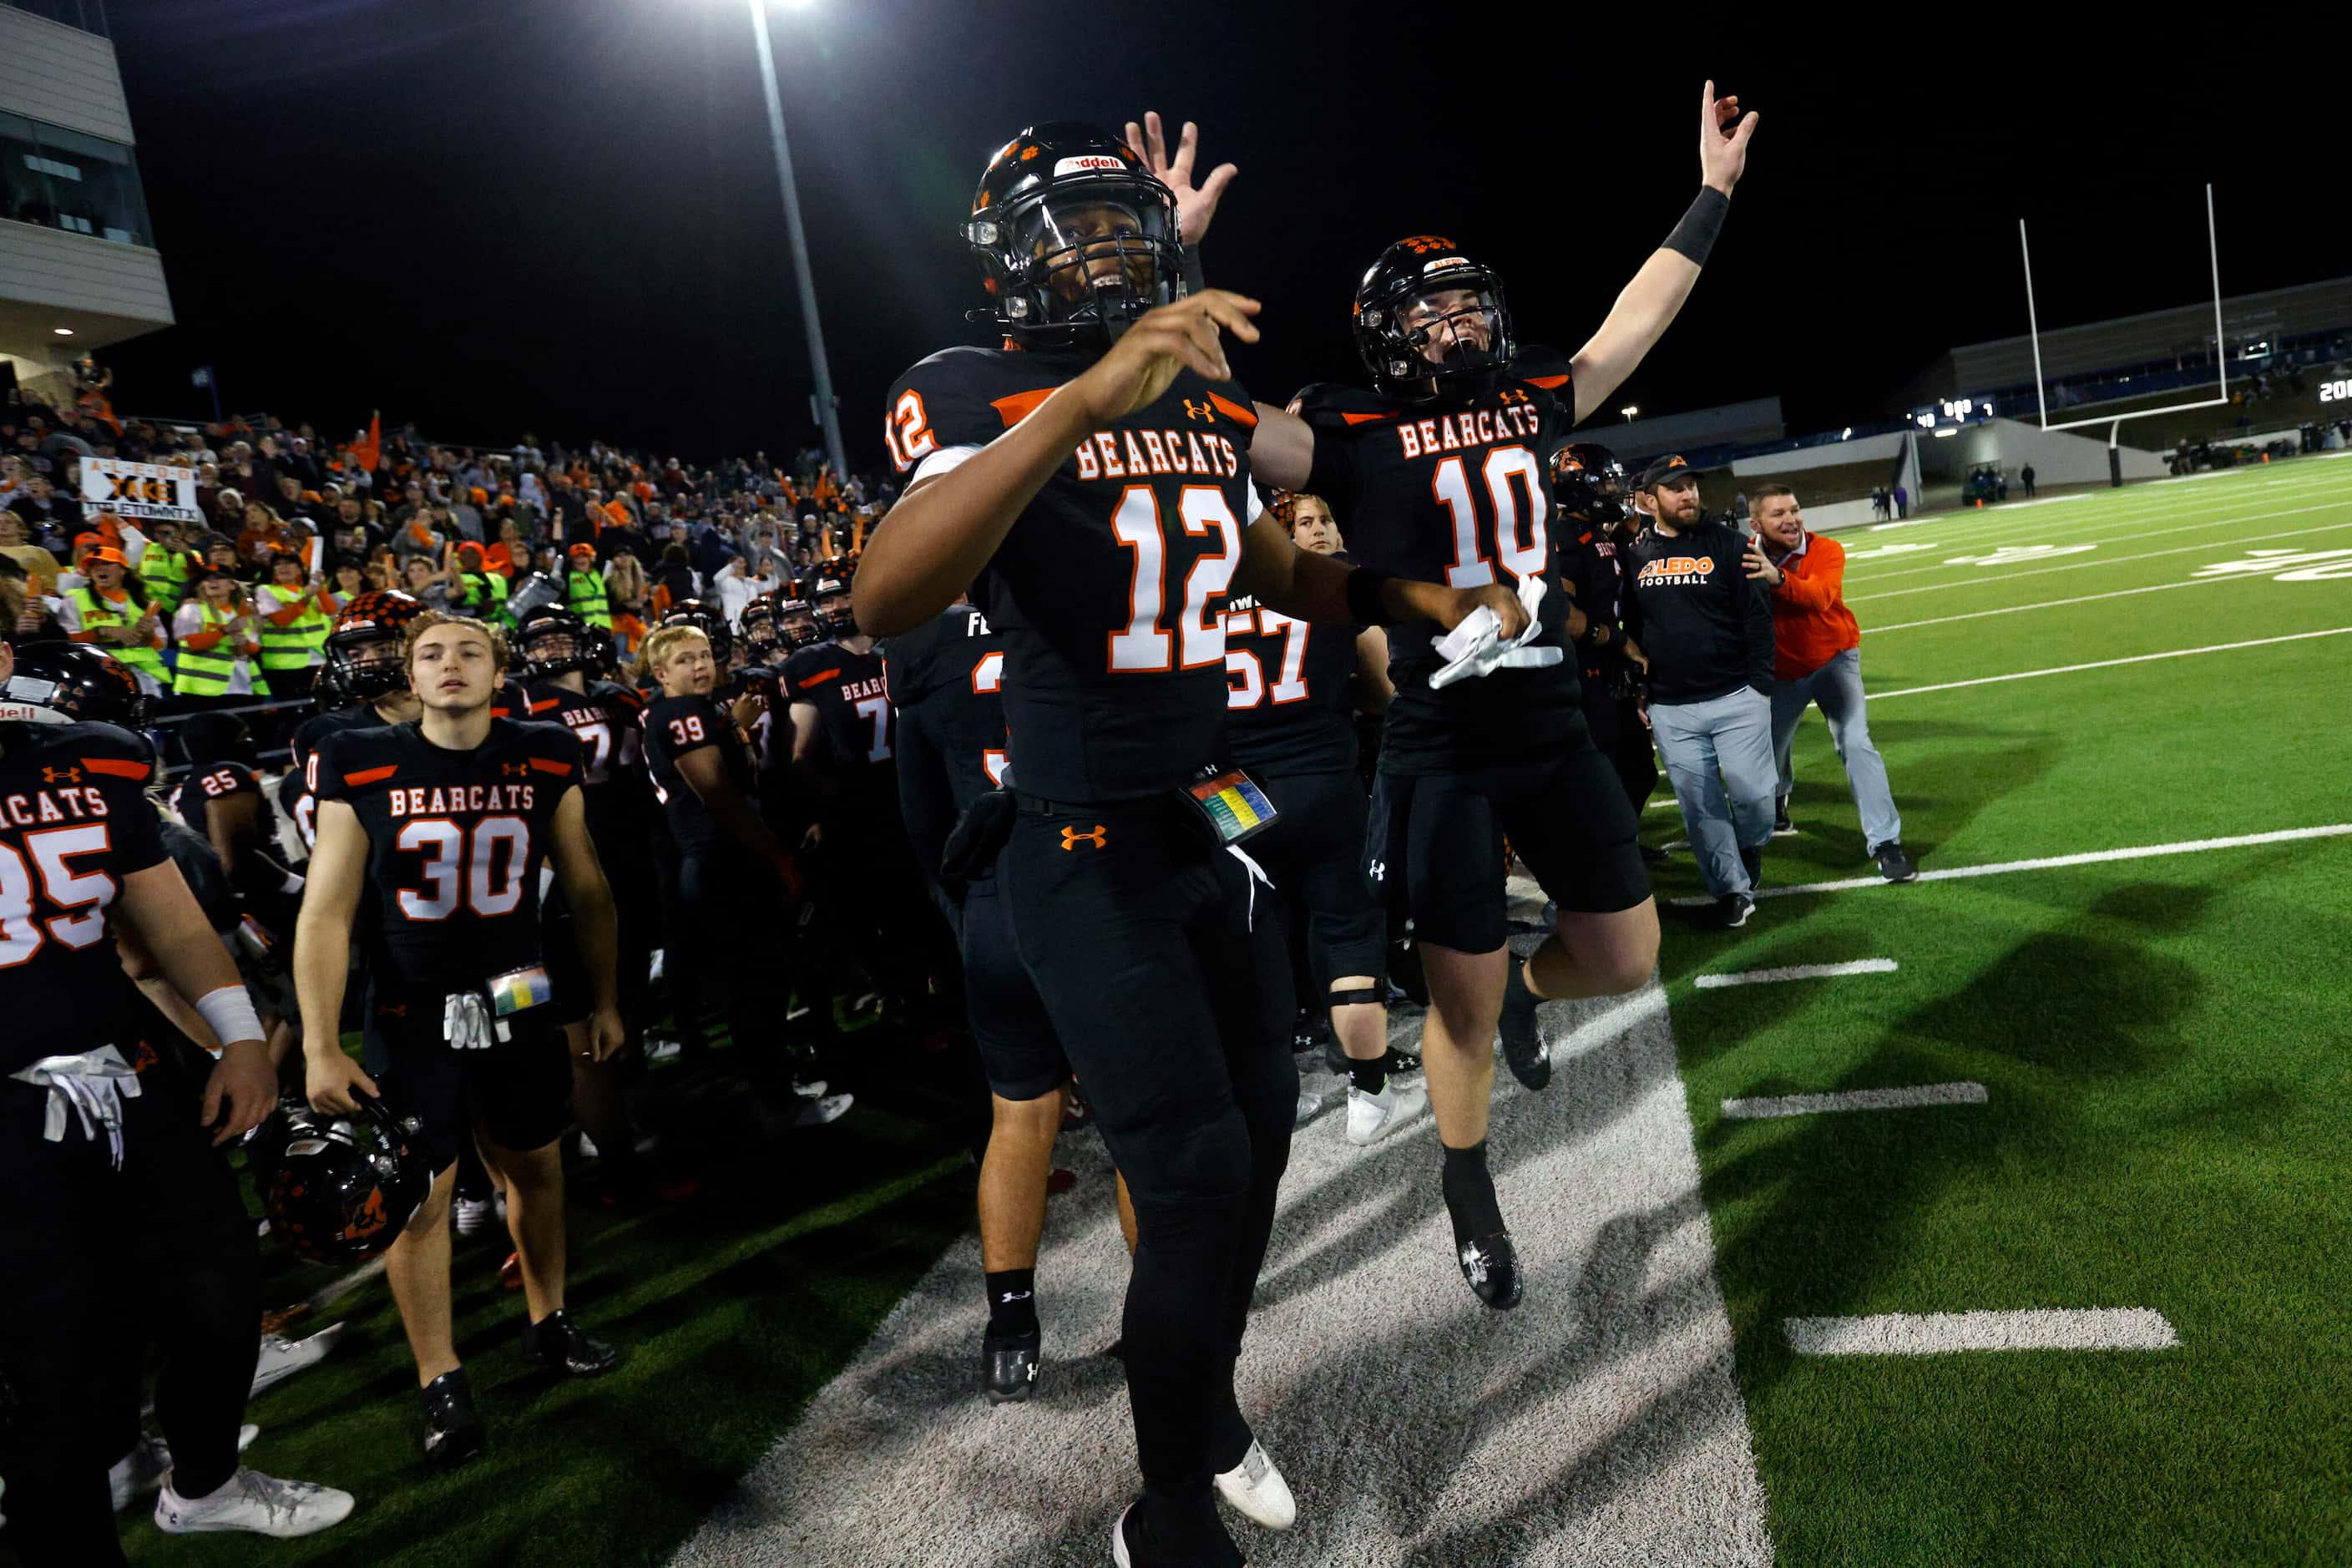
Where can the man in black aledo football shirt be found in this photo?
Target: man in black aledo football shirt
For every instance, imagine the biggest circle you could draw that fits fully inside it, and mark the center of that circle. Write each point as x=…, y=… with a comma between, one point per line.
x=1090, y=477
x=119, y=1214
x=443, y=823
x=1441, y=470
x=1290, y=721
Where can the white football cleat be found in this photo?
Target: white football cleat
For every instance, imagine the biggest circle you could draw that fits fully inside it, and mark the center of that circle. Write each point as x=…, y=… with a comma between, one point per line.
x=818, y=1112
x=281, y=1358
x=1256, y=1489
x=1373, y=1117
x=143, y=1470
x=470, y=1215
x=250, y=1501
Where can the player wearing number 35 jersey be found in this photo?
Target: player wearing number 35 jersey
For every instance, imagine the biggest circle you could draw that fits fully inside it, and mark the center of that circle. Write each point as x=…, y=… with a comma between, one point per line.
x=1091, y=479
x=441, y=825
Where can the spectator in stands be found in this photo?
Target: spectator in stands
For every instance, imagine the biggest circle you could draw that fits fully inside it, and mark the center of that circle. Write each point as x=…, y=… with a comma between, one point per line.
x=1817, y=659
x=36, y=564
x=293, y=620
x=164, y=566
x=47, y=513
x=218, y=644
x=109, y=609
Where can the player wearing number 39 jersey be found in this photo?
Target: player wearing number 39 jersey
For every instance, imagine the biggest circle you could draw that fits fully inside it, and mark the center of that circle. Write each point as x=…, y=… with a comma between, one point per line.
x=1443, y=467
x=1090, y=478
x=443, y=824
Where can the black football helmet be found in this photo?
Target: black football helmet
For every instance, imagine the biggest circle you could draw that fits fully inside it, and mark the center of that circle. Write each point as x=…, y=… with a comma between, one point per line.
x=1412, y=301
x=705, y=618
x=341, y=1189
x=829, y=597
x=1588, y=479
x=1075, y=237
x=357, y=670
x=756, y=624
x=796, y=620
x=70, y=682
x=553, y=639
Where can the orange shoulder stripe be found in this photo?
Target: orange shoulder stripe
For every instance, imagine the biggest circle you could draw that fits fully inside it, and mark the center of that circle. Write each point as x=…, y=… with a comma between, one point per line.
x=1019, y=405
x=1365, y=418
x=1232, y=410
x=1546, y=382
x=371, y=775
x=550, y=766
x=820, y=678
x=118, y=767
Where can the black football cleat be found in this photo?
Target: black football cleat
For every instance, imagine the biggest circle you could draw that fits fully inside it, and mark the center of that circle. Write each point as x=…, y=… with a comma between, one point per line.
x=1009, y=1366
x=1523, y=1041
x=1728, y=912
x=559, y=1344
x=1753, y=859
x=453, y=1433
x=1893, y=864
x=1782, y=826
x=1137, y=1542
x=1491, y=1265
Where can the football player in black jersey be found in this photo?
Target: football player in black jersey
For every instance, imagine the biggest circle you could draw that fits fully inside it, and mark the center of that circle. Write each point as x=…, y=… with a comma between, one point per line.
x=444, y=824
x=796, y=624
x=366, y=677
x=1442, y=470
x=1589, y=485
x=1290, y=719
x=120, y=1217
x=1090, y=477
x=945, y=680
x=560, y=651
x=737, y=882
x=221, y=799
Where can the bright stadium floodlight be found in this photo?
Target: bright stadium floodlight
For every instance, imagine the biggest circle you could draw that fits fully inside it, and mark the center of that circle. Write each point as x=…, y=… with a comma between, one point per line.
x=1628, y=411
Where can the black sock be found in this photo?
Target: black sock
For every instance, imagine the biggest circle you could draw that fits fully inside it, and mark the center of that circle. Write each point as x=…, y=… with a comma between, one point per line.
x=1013, y=1302
x=1371, y=1076
x=1470, y=1192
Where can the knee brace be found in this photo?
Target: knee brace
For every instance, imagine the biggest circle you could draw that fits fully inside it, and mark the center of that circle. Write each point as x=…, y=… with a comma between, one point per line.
x=1358, y=995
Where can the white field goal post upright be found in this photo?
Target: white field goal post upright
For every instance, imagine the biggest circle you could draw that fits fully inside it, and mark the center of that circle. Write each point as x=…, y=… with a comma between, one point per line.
x=2114, y=422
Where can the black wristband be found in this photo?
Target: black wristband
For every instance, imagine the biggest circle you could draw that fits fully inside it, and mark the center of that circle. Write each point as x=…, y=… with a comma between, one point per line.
x=1364, y=606
x=1196, y=280
x=1695, y=235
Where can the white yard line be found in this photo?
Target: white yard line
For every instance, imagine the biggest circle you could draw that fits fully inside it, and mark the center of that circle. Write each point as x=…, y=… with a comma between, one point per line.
x=2207, y=545
x=1599, y=1423
x=1855, y=1100
x=2095, y=529
x=2050, y=604
x=2051, y=862
x=1797, y=971
x=2103, y=664
x=1939, y=1333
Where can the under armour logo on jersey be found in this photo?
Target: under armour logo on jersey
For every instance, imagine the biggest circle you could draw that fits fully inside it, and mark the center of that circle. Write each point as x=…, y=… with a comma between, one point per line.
x=1380, y=869
x=515, y=769
x=1072, y=838
x=61, y=775
x=393, y=1010
x=1200, y=410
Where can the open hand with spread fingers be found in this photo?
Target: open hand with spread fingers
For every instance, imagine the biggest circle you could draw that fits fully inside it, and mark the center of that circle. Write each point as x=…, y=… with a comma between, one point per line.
x=1142, y=364
x=1722, y=138
x=1195, y=205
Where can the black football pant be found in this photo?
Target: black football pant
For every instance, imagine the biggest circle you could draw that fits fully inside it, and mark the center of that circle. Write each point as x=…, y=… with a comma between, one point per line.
x=735, y=916
x=1619, y=734
x=95, y=1263
x=872, y=887
x=1165, y=974
x=681, y=970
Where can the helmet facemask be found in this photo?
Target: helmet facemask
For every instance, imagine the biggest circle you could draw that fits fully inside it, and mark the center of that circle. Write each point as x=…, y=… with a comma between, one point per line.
x=1081, y=261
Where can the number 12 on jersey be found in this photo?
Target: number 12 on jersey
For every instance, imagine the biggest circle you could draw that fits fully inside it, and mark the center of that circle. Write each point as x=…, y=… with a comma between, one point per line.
x=1199, y=638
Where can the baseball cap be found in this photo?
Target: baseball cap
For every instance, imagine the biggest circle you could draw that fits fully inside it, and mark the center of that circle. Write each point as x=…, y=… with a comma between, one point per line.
x=105, y=552
x=1665, y=471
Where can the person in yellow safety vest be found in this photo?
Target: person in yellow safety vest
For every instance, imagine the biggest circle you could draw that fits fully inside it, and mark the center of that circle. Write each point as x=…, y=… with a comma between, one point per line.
x=103, y=611
x=485, y=591
x=164, y=567
x=218, y=643
x=293, y=618
x=583, y=587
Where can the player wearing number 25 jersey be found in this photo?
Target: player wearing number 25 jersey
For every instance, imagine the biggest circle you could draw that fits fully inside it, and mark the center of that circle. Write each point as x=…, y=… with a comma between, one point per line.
x=1092, y=476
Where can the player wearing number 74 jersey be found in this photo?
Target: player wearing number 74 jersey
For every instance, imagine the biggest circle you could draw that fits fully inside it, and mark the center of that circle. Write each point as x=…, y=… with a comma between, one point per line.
x=443, y=824
x=1091, y=477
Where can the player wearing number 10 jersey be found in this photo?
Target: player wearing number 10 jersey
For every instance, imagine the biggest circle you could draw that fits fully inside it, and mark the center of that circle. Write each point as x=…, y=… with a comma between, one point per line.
x=443, y=824
x=1443, y=467
x=1090, y=478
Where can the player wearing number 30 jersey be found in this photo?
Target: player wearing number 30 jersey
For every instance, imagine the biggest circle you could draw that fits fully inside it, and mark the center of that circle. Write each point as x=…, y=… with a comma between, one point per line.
x=1091, y=478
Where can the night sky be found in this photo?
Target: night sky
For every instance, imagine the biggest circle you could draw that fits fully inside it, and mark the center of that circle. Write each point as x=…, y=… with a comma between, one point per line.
x=560, y=215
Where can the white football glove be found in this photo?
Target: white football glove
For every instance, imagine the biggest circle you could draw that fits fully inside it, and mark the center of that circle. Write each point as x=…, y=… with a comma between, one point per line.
x=1476, y=646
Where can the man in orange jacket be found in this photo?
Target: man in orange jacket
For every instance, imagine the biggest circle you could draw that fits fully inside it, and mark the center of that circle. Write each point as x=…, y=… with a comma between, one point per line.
x=1817, y=658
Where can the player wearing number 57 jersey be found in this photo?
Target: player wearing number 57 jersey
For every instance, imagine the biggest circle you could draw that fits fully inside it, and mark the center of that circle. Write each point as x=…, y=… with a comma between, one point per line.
x=1090, y=477
x=1442, y=466
x=443, y=824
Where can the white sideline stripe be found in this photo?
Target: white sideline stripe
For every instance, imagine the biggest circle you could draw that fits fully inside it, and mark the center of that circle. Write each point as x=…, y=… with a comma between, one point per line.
x=2103, y=664
x=1856, y=1099
x=1797, y=971
x=2051, y=862
x=1938, y=1333
x=2210, y=544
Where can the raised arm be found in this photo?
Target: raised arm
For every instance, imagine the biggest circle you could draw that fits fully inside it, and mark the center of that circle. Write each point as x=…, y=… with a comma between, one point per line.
x=1650, y=302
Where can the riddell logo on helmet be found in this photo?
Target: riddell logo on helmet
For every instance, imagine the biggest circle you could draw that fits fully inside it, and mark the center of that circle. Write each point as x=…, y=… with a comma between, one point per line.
x=1086, y=163
x=1443, y=262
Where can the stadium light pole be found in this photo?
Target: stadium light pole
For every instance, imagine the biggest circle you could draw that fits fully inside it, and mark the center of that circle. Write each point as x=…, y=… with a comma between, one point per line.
x=818, y=368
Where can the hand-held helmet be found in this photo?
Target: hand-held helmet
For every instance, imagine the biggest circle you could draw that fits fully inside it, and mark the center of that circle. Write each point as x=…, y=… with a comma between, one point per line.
x=342, y=1191
x=1075, y=237
x=1588, y=479
x=378, y=616
x=1425, y=294
x=66, y=683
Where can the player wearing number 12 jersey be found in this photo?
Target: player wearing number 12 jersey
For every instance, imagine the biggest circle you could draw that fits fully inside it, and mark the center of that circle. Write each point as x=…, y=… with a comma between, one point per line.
x=1443, y=467
x=442, y=826
x=1090, y=477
